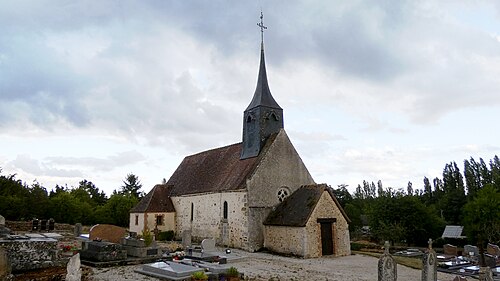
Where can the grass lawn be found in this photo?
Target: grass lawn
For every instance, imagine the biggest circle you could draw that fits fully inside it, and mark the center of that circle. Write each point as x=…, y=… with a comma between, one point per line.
x=415, y=263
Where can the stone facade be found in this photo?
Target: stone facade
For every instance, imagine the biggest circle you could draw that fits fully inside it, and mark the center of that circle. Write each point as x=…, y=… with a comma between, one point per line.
x=208, y=217
x=141, y=221
x=280, y=167
x=306, y=241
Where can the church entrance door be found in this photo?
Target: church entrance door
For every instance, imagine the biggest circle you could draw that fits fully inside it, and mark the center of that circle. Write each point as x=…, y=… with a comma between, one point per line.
x=326, y=236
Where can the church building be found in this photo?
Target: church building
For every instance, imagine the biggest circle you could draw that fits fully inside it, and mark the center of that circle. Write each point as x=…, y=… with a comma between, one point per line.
x=249, y=195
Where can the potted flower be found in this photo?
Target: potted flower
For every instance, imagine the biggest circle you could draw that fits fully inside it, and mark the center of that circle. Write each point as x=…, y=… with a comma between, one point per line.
x=199, y=276
x=232, y=274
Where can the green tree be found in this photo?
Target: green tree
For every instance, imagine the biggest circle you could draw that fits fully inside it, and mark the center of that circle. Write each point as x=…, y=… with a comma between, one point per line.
x=117, y=210
x=482, y=216
x=132, y=186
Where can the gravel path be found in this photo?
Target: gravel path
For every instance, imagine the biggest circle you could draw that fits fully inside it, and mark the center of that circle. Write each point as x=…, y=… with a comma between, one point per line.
x=265, y=267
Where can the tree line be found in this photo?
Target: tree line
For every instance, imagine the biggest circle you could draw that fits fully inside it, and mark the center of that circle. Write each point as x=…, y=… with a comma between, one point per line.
x=84, y=204
x=413, y=215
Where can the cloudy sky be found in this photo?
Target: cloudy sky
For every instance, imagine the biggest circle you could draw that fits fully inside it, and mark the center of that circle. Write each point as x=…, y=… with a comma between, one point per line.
x=371, y=90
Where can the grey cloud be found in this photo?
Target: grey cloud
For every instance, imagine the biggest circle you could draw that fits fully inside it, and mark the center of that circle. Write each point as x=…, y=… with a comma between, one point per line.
x=36, y=168
x=99, y=164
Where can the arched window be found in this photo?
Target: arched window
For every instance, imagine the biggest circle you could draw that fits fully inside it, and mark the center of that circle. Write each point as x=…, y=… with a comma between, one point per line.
x=225, y=211
x=192, y=211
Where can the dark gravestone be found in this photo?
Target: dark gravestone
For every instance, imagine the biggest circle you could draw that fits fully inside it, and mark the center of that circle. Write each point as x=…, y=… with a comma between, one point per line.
x=152, y=252
x=35, y=225
x=51, y=224
x=43, y=225
x=102, y=251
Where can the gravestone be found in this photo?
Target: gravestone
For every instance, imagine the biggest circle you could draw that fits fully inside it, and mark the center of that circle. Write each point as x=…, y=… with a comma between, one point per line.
x=102, y=251
x=450, y=250
x=5, y=266
x=43, y=225
x=52, y=224
x=107, y=232
x=73, y=270
x=186, y=238
x=208, y=245
x=4, y=231
x=138, y=248
x=492, y=249
x=459, y=278
x=34, y=225
x=429, y=264
x=78, y=229
x=387, y=266
x=471, y=251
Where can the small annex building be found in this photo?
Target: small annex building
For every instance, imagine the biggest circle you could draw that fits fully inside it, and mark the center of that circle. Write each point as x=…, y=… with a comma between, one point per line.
x=319, y=227
x=154, y=211
x=244, y=195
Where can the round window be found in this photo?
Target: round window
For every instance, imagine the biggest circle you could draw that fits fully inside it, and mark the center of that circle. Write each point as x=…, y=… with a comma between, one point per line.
x=283, y=193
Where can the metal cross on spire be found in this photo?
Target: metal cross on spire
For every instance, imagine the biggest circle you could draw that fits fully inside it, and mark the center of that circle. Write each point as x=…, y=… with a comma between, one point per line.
x=262, y=27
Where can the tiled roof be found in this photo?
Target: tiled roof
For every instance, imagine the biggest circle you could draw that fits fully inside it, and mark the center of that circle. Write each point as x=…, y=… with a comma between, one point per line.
x=157, y=200
x=296, y=209
x=215, y=170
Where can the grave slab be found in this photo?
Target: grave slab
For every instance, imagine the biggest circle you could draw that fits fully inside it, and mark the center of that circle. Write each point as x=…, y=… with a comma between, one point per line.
x=169, y=270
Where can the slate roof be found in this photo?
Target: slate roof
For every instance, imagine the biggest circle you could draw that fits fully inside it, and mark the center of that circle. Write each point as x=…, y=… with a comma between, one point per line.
x=215, y=170
x=157, y=200
x=262, y=95
x=453, y=231
x=296, y=209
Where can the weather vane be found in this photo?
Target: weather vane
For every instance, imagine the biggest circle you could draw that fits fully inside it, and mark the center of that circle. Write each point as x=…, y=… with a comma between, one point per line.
x=262, y=26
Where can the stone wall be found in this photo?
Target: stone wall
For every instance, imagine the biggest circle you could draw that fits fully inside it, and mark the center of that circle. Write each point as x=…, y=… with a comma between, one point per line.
x=306, y=241
x=26, y=226
x=281, y=166
x=140, y=223
x=149, y=220
x=326, y=208
x=208, y=217
x=286, y=240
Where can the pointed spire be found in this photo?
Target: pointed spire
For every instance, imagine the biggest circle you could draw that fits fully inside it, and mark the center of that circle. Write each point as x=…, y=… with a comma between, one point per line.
x=262, y=95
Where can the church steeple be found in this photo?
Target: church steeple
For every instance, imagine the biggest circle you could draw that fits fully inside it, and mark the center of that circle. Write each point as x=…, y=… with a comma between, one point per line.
x=263, y=116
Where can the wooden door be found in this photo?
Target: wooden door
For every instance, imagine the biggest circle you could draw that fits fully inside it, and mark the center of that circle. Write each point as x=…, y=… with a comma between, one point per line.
x=326, y=238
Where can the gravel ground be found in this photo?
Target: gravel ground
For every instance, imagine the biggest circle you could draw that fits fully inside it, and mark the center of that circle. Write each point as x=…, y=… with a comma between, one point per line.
x=265, y=267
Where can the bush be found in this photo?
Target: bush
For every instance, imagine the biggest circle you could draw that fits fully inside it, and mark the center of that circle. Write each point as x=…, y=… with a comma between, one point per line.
x=356, y=246
x=147, y=236
x=232, y=272
x=199, y=275
x=166, y=235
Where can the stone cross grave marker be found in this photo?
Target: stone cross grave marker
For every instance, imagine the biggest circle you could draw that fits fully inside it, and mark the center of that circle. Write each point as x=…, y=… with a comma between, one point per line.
x=387, y=266
x=429, y=264
x=74, y=272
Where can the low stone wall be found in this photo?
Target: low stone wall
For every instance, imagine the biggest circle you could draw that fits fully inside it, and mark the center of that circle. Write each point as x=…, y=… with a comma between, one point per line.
x=26, y=226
